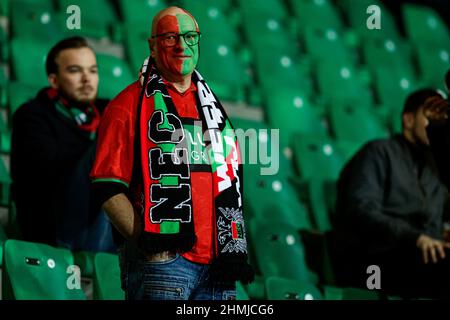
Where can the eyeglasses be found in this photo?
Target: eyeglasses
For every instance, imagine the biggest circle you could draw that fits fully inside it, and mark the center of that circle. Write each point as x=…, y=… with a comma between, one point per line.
x=170, y=39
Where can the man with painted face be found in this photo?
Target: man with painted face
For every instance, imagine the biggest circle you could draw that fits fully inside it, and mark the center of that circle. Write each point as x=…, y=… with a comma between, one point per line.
x=391, y=207
x=51, y=139
x=182, y=233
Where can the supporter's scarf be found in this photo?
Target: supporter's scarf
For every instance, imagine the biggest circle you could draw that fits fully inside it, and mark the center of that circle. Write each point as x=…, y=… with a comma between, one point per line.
x=86, y=116
x=167, y=196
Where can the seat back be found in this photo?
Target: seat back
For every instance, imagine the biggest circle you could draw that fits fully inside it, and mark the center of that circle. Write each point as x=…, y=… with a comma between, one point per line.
x=40, y=272
x=107, y=285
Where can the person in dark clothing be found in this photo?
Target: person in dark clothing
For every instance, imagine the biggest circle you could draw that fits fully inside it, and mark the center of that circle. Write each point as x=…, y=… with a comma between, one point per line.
x=52, y=137
x=390, y=208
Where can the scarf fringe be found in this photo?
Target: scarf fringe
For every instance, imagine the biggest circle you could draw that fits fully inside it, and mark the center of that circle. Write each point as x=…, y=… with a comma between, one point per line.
x=155, y=243
x=230, y=269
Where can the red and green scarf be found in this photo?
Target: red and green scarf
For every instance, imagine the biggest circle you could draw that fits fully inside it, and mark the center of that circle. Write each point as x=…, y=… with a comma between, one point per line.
x=168, y=212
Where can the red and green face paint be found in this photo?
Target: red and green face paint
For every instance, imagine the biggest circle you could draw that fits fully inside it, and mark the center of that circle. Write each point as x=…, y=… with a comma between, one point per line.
x=181, y=59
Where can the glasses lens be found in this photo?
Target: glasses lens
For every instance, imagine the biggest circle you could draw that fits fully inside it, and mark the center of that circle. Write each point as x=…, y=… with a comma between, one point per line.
x=170, y=39
x=191, y=38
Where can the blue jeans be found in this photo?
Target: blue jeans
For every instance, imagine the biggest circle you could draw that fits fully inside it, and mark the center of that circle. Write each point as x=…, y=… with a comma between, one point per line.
x=174, y=279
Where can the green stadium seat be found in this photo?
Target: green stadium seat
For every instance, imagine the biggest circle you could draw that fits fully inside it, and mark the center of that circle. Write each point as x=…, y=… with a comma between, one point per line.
x=276, y=69
x=3, y=238
x=5, y=182
x=392, y=86
x=290, y=289
x=264, y=31
x=97, y=17
x=386, y=53
x=337, y=293
x=424, y=25
x=28, y=61
x=276, y=8
x=339, y=82
x=279, y=251
x=4, y=7
x=213, y=21
x=316, y=14
x=37, y=21
x=3, y=87
x=434, y=62
x=114, y=75
x=346, y=149
x=316, y=158
x=259, y=150
x=319, y=195
x=85, y=260
x=241, y=293
x=319, y=42
x=273, y=198
x=221, y=68
x=38, y=272
x=5, y=141
x=107, y=284
x=140, y=11
x=352, y=123
x=136, y=44
x=292, y=112
x=356, y=13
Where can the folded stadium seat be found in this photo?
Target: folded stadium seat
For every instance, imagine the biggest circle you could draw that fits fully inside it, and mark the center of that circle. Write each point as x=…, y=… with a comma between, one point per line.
x=20, y=93
x=241, y=292
x=107, y=284
x=319, y=164
x=263, y=30
x=4, y=7
x=316, y=158
x=336, y=293
x=85, y=260
x=3, y=87
x=114, y=74
x=352, y=123
x=212, y=18
x=392, y=86
x=260, y=150
x=276, y=8
x=3, y=238
x=434, y=62
x=356, y=15
x=321, y=42
x=5, y=141
x=290, y=111
x=341, y=82
x=28, y=61
x=424, y=25
x=136, y=43
x=4, y=44
x=346, y=149
x=140, y=11
x=276, y=69
x=37, y=21
x=387, y=52
x=222, y=69
x=273, y=198
x=97, y=17
x=5, y=182
x=279, y=251
x=316, y=14
x=35, y=271
x=279, y=288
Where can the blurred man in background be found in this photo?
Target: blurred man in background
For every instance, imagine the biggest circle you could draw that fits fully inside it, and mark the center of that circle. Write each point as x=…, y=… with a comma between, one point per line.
x=391, y=205
x=52, y=150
